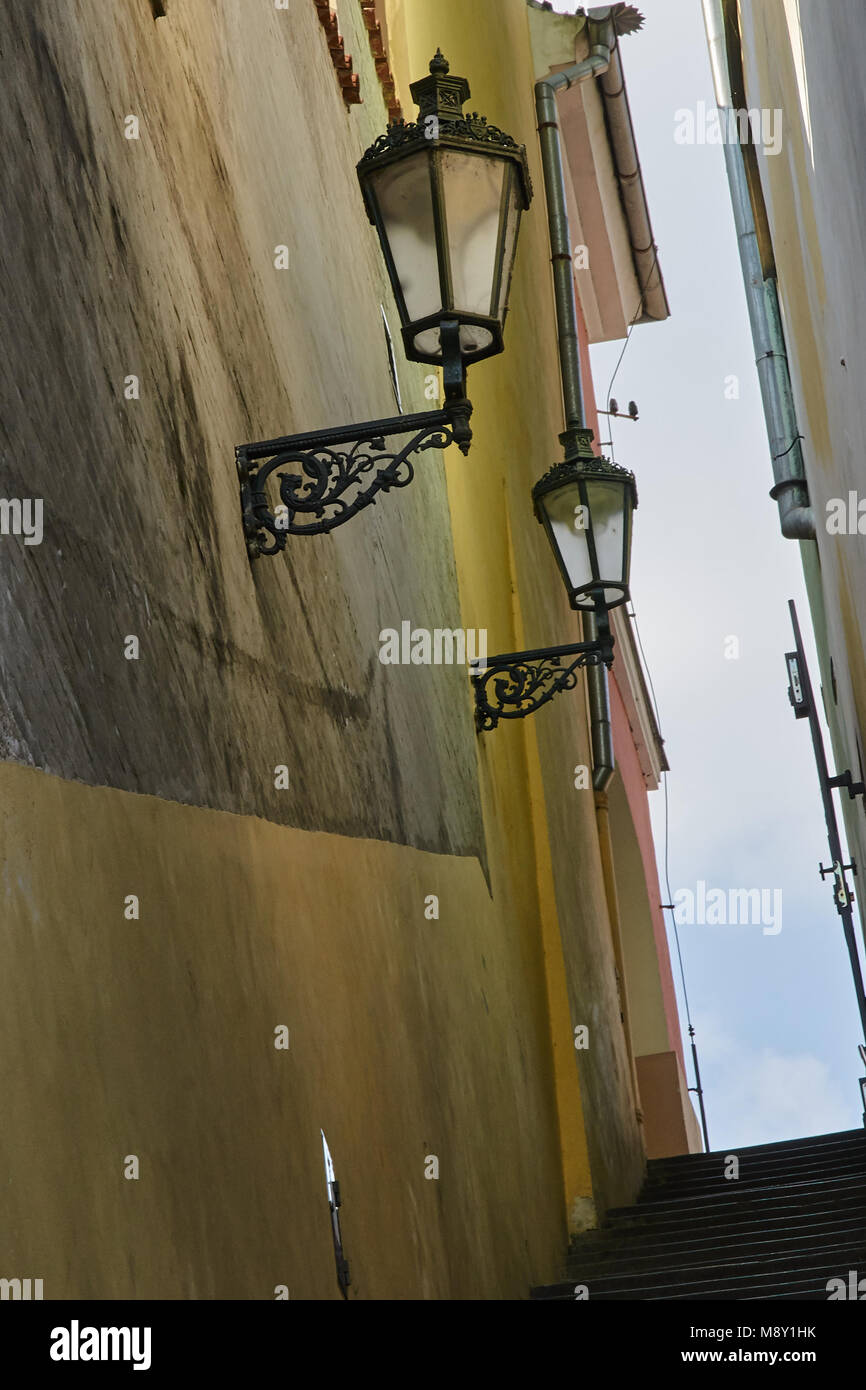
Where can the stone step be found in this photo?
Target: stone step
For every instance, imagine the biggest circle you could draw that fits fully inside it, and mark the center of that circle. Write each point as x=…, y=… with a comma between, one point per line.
x=794, y=1147
x=793, y=1219
x=849, y=1166
x=633, y=1256
x=753, y=1278
x=740, y=1226
x=797, y=1194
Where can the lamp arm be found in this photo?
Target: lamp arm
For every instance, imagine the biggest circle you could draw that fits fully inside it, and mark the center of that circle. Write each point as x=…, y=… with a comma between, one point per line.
x=338, y=472
x=328, y=476
x=514, y=684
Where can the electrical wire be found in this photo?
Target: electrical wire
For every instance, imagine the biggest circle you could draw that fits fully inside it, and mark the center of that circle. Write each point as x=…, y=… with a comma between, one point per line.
x=669, y=905
x=634, y=319
x=698, y=1086
x=633, y=617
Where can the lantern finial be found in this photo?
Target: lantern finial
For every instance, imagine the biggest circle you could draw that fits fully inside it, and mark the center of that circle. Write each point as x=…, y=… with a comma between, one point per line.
x=440, y=94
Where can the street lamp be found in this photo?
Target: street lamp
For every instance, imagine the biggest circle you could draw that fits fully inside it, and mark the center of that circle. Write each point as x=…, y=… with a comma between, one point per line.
x=445, y=194
x=586, y=510
x=585, y=505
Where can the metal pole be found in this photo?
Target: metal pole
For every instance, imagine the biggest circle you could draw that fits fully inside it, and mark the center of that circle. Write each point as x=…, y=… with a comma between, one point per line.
x=842, y=896
x=699, y=1090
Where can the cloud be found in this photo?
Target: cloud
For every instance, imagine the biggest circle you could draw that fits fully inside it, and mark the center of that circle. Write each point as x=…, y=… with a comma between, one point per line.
x=759, y=1096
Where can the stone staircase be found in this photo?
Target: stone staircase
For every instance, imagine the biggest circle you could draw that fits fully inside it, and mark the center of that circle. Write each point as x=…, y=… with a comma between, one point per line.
x=794, y=1218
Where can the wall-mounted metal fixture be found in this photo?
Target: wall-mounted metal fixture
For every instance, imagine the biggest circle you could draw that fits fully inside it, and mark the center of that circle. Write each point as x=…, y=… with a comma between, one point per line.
x=445, y=194
x=585, y=505
x=800, y=697
x=803, y=702
x=846, y=780
x=392, y=360
x=334, y=1204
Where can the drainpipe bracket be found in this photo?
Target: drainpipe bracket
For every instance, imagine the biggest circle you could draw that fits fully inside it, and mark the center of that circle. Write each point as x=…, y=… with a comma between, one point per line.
x=786, y=485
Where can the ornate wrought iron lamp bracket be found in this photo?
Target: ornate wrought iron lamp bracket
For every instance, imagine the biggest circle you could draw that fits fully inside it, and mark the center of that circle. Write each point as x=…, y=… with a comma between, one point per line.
x=515, y=684
x=327, y=476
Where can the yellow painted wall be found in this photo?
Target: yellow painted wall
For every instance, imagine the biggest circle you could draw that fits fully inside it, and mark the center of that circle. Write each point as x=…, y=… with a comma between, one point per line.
x=515, y=591
x=155, y=1038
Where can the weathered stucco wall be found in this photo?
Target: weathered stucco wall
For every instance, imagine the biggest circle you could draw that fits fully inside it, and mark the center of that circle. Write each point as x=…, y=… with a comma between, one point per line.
x=156, y=257
x=259, y=907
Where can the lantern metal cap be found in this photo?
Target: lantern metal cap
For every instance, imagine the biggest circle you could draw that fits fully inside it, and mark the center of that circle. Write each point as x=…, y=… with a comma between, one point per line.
x=441, y=96
x=582, y=468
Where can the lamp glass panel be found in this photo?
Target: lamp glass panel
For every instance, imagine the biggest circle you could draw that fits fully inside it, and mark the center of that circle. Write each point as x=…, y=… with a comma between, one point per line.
x=405, y=199
x=515, y=207
x=609, y=504
x=473, y=208
x=567, y=517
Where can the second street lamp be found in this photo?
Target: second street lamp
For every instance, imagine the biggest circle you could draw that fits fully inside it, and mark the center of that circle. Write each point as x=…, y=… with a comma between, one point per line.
x=585, y=505
x=445, y=194
x=586, y=510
